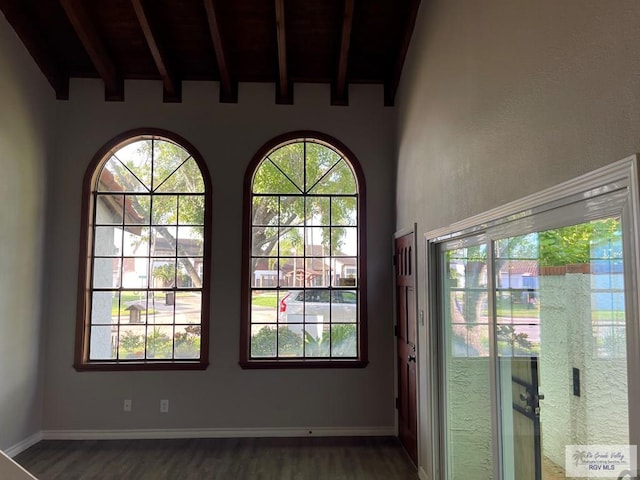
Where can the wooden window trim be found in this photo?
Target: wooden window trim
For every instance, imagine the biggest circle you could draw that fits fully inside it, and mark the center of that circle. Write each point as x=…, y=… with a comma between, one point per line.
x=83, y=320
x=245, y=326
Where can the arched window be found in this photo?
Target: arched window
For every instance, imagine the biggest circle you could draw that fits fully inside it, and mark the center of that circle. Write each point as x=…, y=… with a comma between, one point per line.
x=303, y=274
x=143, y=300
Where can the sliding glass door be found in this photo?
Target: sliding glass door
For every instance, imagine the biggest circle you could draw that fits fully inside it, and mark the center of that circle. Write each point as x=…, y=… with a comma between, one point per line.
x=536, y=313
x=561, y=336
x=465, y=306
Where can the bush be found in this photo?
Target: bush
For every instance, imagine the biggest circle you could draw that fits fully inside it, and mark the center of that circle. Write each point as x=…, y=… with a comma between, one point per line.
x=263, y=344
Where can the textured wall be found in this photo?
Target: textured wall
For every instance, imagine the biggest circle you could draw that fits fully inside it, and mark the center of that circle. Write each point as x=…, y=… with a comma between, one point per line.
x=502, y=98
x=469, y=419
x=25, y=146
x=227, y=135
x=600, y=414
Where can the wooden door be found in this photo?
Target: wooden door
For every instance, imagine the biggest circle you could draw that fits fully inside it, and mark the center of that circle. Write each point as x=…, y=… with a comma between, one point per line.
x=406, y=331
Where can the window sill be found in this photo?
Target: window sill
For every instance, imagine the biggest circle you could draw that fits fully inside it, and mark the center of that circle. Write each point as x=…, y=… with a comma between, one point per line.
x=120, y=366
x=301, y=363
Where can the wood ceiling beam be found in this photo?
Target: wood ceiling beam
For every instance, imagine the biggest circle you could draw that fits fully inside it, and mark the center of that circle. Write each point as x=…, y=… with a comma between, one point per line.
x=228, y=86
x=172, y=91
x=340, y=90
x=284, y=88
x=32, y=38
x=82, y=24
x=391, y=85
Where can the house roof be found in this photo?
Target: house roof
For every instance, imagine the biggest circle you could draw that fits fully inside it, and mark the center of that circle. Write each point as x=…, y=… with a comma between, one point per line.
x=520, y=267
x=337, y=42
x=107, y=182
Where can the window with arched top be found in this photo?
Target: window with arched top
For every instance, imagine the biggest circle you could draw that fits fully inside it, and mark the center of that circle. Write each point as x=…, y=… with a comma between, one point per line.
x=143, y=301
x=304, y=301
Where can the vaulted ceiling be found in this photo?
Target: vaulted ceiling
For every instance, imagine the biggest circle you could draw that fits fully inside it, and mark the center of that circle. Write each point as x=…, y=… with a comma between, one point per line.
x=337, y=42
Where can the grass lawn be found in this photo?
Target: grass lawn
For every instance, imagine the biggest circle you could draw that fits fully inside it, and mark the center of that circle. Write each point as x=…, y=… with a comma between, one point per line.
x=126, y=299
x=267, y=299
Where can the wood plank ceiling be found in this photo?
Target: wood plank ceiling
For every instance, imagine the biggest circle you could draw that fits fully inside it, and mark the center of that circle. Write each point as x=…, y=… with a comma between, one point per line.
x=338, y=42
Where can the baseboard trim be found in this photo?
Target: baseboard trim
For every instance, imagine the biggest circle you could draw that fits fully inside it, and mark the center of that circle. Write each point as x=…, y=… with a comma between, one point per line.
x=215, y=433
x=23, y=445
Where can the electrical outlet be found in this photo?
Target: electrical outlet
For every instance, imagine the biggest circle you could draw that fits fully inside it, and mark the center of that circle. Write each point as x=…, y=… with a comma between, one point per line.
x=127, y=405
x=164, y=406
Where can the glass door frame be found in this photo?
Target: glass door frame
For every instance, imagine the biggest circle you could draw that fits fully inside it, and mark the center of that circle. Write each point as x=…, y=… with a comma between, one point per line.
x=588, y=191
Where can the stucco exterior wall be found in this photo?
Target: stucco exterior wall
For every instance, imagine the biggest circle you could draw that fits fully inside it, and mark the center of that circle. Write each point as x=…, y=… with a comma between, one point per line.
x=469, y=418
x=599, y=415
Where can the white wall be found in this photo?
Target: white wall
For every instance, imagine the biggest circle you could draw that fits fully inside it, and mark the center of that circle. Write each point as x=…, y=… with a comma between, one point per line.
x=227, y=135
x=502, y=98
x=25, y=147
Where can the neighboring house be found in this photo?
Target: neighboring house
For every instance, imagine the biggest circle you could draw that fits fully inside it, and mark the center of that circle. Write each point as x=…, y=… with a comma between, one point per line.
x=519, y=274
x=318, y=270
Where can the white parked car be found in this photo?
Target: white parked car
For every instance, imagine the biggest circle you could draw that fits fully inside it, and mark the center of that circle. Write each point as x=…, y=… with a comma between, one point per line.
x=319, y=306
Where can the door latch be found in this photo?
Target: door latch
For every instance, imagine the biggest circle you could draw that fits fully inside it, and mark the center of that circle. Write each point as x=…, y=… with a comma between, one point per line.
x=532, y=402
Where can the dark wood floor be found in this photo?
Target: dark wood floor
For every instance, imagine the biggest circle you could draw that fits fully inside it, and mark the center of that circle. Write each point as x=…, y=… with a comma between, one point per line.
x=313, y=458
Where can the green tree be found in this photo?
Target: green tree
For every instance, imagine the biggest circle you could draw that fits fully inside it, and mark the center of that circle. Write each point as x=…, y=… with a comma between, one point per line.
x=160, y=167
x=573, y=244
x=167, y=273
x=279, y=184
x=474, y=262
x=567, y=245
